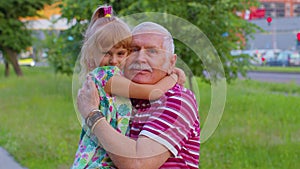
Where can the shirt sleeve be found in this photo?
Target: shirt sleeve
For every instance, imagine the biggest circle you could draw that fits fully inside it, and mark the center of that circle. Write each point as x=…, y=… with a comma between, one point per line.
x=172, y=123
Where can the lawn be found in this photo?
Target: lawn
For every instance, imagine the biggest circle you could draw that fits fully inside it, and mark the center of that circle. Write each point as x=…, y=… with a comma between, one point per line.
x=259, y=128
x=38, y=123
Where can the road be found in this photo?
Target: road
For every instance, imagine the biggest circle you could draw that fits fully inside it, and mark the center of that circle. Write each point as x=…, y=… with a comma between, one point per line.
x=7, y=161
x=275, y=77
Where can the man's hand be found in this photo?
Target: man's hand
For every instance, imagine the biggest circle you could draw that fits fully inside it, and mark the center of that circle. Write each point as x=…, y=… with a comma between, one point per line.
x=87, y=98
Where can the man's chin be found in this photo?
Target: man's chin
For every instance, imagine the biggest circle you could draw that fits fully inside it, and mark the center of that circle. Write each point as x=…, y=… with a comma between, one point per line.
x=141, y=79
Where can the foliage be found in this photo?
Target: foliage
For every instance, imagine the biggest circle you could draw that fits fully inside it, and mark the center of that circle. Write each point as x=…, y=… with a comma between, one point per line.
x=13, y=32
x=216, y=18
x=62, y=49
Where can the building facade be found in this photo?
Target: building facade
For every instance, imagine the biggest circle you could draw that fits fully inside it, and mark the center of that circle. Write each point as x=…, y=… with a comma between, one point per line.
x=281, y=8
x=281, y=32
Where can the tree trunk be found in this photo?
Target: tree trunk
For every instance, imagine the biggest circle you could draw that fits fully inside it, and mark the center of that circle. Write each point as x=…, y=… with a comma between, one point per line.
x=13, y=59
x=6, y=71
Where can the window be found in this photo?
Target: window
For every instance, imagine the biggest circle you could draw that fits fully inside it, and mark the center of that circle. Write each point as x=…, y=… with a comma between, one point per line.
x=297, y=10
x=274, y=9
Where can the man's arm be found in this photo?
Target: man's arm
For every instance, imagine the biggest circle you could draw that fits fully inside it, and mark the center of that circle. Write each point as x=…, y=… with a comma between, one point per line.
x=125, y=152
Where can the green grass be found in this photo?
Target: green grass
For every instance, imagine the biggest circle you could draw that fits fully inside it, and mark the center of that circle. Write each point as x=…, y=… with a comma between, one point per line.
x=259, y=128
x=277, y=69
x=38, y=123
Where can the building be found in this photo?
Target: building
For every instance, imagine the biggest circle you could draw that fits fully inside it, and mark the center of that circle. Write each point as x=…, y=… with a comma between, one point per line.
x=273, y=8
x=281, y=8
x=49, y=20
x=281, y=32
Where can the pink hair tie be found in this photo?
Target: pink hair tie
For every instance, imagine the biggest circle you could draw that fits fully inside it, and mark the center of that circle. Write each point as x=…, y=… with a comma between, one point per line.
x=107, y=11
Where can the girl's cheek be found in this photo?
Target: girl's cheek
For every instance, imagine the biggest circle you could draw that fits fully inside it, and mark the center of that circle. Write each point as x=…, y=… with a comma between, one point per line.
x=104, y=62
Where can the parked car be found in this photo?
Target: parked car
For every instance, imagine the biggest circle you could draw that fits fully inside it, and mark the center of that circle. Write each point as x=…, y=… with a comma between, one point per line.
x=270, y=55
x=294, y=59
x=285, y=58
x=26, y=62
x=261, y=56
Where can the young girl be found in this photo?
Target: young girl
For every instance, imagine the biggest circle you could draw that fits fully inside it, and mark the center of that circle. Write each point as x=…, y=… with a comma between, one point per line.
x=106, y=44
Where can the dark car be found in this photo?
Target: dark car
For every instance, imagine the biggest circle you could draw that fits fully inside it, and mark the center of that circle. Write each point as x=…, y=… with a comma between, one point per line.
x=285, y=58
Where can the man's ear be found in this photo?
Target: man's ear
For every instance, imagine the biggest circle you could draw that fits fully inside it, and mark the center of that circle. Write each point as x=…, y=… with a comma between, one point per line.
x=173, y=59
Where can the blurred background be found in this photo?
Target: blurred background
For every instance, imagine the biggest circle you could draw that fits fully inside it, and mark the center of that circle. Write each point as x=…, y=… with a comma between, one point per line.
x=259, y=33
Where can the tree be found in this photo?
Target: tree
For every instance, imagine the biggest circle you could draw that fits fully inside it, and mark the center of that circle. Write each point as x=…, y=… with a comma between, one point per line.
x=14, y=36
x=216, y=18
x=218, y=21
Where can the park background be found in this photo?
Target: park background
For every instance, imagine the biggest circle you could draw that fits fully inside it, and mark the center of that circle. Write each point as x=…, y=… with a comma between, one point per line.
x=259, y=128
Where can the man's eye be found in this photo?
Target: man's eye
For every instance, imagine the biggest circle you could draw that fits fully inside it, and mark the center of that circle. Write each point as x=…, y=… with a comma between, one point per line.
x=134, y=49
x=152, y=51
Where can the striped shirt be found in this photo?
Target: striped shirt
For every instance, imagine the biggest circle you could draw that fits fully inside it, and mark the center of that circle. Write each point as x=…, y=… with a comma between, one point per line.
x=172, y=121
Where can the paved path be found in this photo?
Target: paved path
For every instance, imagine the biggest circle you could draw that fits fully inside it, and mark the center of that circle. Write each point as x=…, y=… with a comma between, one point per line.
x=275, y=77
x=7, y=161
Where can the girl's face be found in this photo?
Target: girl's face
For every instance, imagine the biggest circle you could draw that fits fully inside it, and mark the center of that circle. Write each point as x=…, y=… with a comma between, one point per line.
x=114, y=56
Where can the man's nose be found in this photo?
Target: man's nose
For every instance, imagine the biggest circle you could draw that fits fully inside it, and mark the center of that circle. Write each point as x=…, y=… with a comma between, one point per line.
x=141, y=57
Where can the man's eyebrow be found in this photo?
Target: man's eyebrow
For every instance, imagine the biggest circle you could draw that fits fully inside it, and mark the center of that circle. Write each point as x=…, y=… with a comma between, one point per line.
x=135, y=46
x=151, y=47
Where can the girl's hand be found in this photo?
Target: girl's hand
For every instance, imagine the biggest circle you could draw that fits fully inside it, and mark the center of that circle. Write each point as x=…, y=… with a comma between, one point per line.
x=181, y=76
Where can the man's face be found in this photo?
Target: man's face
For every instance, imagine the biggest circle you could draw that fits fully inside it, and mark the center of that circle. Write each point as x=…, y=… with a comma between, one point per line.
x=148, y=61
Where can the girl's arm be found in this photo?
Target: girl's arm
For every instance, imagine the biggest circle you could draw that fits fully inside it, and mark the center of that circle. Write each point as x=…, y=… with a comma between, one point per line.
x=181, y=76
x=119, y=85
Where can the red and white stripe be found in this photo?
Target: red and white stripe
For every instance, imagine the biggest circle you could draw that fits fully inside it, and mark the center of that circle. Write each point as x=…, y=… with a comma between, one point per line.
x=173, y=121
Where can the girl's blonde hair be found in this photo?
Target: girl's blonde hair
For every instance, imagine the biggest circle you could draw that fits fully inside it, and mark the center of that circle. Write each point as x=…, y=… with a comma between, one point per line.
x=103, y=33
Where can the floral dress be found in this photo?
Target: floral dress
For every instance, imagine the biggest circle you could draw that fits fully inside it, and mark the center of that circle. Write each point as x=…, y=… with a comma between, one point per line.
x=117, y=111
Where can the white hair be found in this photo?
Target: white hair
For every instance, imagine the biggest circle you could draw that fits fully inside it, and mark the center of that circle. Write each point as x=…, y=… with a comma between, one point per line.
x=151, y=27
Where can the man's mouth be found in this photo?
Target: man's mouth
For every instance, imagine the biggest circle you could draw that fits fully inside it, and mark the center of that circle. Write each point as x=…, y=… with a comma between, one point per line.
x=141, y=71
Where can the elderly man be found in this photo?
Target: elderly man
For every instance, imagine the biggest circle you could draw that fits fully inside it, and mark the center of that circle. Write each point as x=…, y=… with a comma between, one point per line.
x=164, y=133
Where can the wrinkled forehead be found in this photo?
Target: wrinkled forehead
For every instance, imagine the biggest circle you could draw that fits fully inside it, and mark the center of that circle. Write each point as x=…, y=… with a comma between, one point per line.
x=148, y=38
x=148, y=33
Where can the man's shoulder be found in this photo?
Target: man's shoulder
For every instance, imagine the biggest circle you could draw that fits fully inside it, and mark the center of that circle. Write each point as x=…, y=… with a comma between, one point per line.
x=178, y=94
x=179, y=101
x=179, y=90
